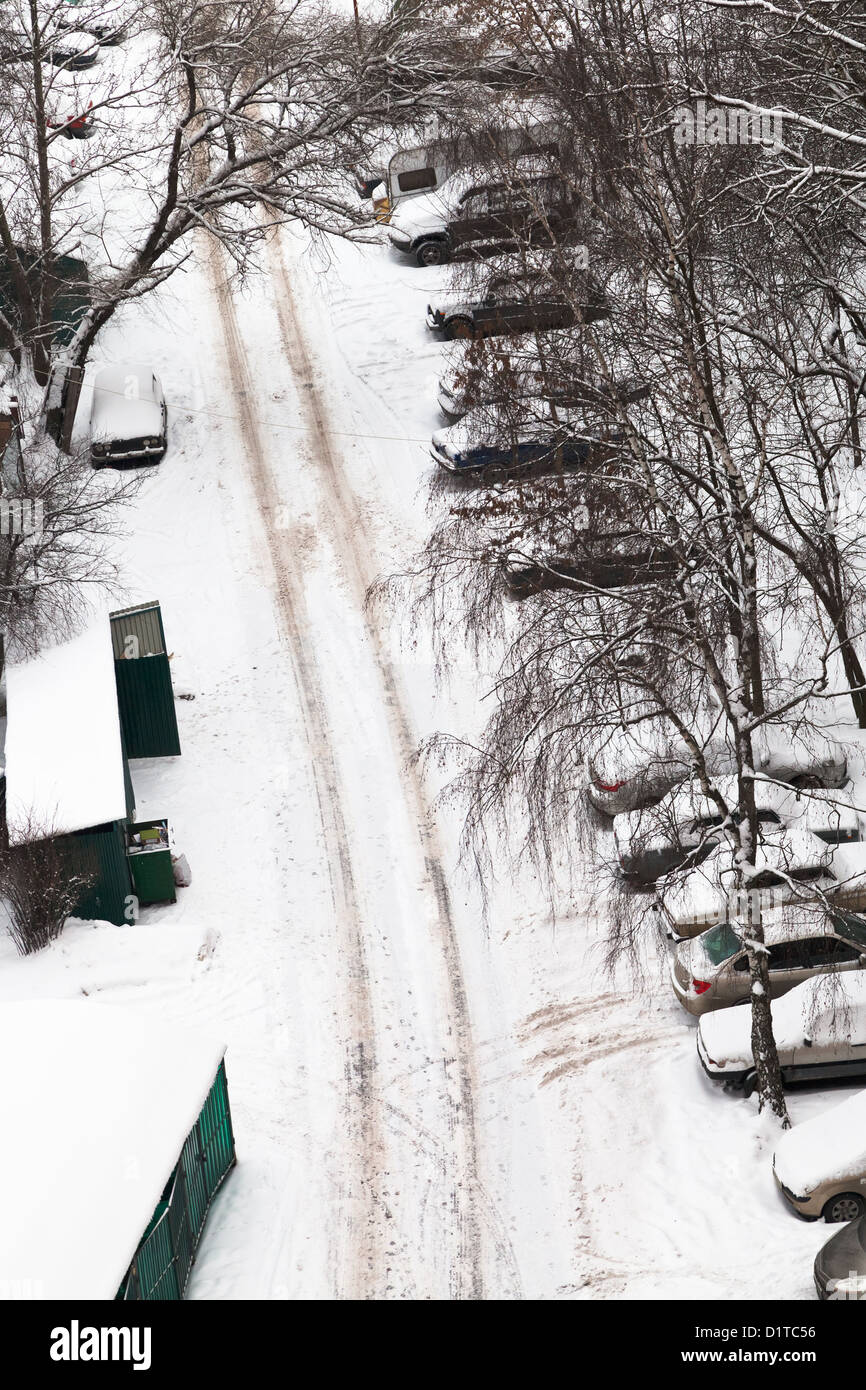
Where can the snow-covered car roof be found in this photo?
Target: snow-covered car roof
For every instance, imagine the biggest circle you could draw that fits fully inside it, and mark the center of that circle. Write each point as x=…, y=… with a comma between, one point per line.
x=428, y=210
x=706, y=891
x=826, y=1148
x=823, y=1008
x=64, y=758
x=73, y=41
x=96, y=1109
x=624, y=753
x=127, y=403
x=483, y=428
x=818, y=808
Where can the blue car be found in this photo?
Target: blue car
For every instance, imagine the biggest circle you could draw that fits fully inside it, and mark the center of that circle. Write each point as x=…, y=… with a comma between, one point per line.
x=542, y=444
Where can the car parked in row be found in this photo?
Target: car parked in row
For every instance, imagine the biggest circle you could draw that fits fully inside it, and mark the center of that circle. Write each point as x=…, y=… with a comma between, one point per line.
x=128, y=417
x=492, y=370
x=475, y=208
x=548, y=441
x=711, y=971
x=73, y=49
x=636, y=767
x=606, y=561
x=521, y=302
x=109, y=30
x=840, y=1265
x=654, y=840
x=791, y=865
x=820, y=1165
x=820, y=1031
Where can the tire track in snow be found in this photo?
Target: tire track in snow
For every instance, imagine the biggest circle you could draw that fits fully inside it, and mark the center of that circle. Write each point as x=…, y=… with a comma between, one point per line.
x=467, y=1279
x=360, y=1264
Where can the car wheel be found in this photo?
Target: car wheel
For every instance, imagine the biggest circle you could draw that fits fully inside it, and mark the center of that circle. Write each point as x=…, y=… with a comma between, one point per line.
x=847, y=1206
x=460, y=328
x=432, y=253
x=749, y=1082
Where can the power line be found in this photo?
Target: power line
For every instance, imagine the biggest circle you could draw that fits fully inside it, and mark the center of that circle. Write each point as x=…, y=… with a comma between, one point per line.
x=273, y=424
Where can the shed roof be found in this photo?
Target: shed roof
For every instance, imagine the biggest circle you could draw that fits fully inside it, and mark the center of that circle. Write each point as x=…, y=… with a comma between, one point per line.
x=64, y=756
x=96, y=1103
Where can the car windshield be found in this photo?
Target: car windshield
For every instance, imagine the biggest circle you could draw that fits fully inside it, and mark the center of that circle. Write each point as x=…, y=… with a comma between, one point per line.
x=720, y=943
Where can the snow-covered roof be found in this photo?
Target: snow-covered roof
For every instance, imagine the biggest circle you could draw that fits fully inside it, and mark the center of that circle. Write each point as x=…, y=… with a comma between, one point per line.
x=827, y=1148
x=64, y=765
x=96, y=1104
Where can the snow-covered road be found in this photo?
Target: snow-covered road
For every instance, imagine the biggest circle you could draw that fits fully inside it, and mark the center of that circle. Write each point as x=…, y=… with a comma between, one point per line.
x=398, y=962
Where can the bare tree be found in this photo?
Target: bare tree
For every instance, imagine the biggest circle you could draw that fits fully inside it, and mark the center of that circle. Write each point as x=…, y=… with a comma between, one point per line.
x=39, y=887
x=233, y=107
x=723, y=487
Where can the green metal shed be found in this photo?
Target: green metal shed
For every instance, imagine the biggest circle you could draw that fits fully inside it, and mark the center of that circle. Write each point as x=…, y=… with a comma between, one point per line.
x=164, y=1259
x=108, y=1176
x=144, y=691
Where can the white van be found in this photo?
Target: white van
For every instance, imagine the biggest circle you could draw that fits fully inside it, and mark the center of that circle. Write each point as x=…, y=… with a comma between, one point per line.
x=424, y=167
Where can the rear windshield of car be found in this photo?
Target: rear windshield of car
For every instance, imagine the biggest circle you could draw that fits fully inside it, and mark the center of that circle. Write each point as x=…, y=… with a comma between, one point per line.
x=720, y=943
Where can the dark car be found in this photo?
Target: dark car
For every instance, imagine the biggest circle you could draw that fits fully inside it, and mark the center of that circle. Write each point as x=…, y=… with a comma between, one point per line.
x=840, y=1265
x=514, y=304
x=475, y=209
x=524, y=576
x=547, y=442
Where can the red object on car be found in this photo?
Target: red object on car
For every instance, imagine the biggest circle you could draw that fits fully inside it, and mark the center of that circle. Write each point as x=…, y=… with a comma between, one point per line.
x=701, y=986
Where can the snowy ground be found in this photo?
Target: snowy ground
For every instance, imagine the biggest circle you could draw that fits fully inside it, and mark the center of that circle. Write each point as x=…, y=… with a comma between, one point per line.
x=425, y=1105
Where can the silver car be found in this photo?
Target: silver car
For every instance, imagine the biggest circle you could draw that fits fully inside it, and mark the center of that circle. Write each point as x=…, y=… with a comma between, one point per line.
x=711, y=971
x=820, y=1032
x=654, y=840
x=632, y=769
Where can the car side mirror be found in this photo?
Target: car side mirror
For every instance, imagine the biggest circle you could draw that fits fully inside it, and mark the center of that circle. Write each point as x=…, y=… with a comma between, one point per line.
x=807, y=1042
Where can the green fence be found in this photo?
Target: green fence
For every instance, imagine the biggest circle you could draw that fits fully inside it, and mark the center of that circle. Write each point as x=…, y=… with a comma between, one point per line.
x=164, y=1259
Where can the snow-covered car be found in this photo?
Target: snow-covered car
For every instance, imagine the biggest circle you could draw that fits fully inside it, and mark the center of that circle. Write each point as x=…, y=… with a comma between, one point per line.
x=547, y=442
x=485, y=371
x=840, y=1264
x=128, y=417
x=108, y=34
x=653, y=840
x=791, y=865
x=474, y=207
x=711, y=971
x=633, y=768
x=820, y=1164
x=819, y=1027
x=74, y=49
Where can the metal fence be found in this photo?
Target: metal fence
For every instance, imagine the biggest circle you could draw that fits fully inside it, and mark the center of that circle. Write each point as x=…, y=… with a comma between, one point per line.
x=164, y=1259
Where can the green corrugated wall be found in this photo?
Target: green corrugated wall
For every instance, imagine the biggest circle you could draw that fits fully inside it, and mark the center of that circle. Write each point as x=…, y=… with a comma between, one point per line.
x=101, y=851
x=146, y=703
